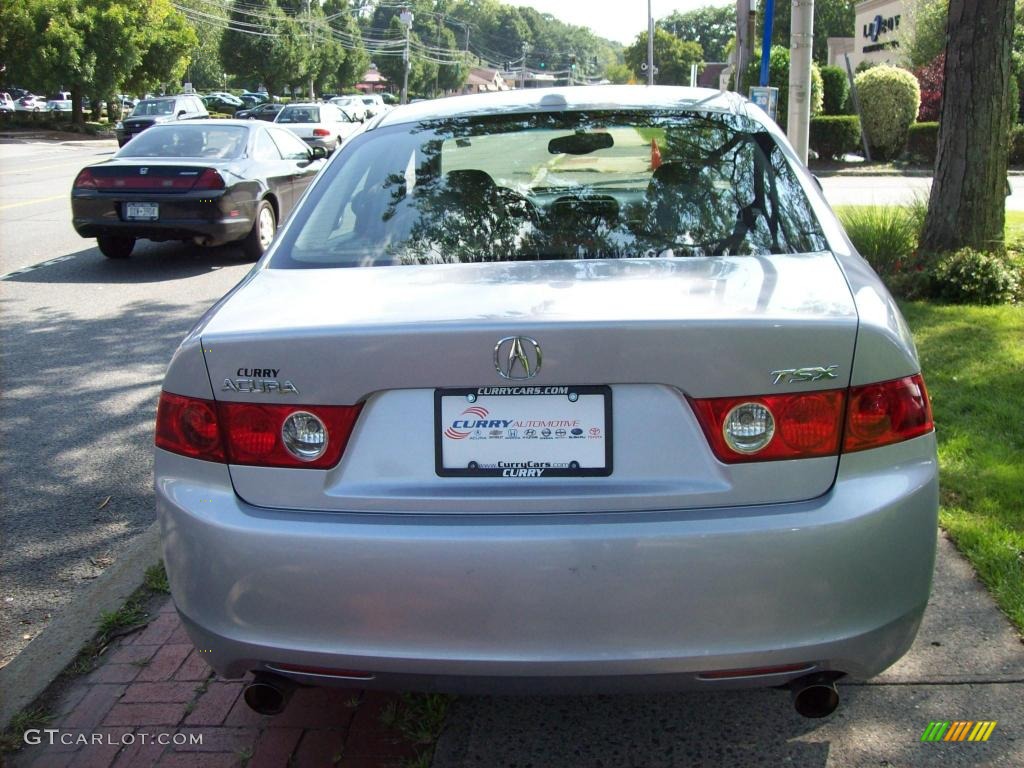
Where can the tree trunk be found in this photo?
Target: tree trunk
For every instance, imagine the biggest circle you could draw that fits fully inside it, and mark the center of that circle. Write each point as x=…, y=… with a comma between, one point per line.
x=77, y=118
x=967, y=206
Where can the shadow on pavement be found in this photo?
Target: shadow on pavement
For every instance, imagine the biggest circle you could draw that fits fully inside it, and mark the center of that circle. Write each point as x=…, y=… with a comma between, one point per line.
x=76, y=425
x=149, y=263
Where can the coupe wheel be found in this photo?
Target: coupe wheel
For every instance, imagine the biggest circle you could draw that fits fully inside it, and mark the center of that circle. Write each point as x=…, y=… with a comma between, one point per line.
x=114, y=247
x=262, y=233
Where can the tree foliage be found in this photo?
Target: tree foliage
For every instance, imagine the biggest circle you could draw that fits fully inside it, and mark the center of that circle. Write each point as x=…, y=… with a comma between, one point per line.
x=923, y=32
x=672, y=57
x=712, y=27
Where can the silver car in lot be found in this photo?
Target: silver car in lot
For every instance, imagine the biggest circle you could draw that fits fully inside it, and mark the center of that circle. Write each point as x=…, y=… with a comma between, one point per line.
x=558, y=390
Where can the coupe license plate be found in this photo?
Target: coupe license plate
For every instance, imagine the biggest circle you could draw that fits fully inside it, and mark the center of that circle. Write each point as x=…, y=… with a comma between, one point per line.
x=142, y=211
x=523, y=431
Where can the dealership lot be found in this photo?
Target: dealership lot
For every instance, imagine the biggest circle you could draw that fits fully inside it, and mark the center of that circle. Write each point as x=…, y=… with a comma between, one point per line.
x=84, y=345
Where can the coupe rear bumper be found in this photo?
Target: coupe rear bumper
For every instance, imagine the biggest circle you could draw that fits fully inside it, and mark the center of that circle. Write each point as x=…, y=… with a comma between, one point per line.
x=184, y=217
x=620, y=601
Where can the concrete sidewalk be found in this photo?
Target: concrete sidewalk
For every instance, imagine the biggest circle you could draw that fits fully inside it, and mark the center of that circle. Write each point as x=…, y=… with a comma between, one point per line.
x=967, y=664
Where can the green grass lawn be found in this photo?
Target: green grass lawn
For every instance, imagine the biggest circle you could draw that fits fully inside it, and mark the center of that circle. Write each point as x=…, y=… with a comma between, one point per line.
x=1014, y=226
x=973, y=363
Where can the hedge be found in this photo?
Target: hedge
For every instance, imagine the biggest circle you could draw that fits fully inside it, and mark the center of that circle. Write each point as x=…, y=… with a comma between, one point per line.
x=833, y=136
x=778, y=76
x=1017, y=145
x=836, y=87
x=923, y=142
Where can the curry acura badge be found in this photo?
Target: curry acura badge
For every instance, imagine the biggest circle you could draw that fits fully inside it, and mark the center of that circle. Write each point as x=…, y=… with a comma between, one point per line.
x=517, y=357
x=259, y=380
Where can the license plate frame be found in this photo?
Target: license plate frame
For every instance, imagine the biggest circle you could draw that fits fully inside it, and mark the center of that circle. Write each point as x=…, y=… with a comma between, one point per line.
x=141, y=211
x=490, y=396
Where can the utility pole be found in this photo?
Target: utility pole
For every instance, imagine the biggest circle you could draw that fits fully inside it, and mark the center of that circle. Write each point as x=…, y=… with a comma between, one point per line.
x=743, y=43
x=406, y=18
x=801, y=40
x=650, y=45
x=312, y=47
x=523, y=68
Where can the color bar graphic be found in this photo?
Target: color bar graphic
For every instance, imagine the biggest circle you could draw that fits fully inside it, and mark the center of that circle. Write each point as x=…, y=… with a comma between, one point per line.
x=959, y=730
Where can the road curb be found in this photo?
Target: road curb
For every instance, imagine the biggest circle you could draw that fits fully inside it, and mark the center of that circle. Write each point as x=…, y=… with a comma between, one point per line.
x=43, y=659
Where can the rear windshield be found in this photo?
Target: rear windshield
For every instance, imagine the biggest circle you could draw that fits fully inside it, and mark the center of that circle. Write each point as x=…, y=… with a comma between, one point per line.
x=567, y=185
x=225, y=142
x=152, y=107
x=299, y=115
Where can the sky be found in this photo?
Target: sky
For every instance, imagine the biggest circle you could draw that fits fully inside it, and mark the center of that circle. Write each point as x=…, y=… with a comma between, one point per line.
x=614, y=19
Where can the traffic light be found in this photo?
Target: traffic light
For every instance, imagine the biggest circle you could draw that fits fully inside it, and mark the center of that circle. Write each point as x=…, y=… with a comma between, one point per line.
x=543, y=65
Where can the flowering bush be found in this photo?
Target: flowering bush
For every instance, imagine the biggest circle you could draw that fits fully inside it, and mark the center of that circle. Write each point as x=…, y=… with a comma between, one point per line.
x=931, y=78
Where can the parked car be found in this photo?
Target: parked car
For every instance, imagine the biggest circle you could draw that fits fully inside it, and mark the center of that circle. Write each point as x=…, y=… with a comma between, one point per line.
x=267, y=111
x=30, y=103
x=251, y=100
x=374, y=104
x=207, y=181
x=319, y=125
x=505, y=409
x=352, y=106
x=6, y=102
x=161, y=109
x=223, y=102
x=58, y=105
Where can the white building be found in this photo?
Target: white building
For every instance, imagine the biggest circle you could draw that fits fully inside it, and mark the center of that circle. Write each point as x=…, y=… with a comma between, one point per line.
x=878, y=28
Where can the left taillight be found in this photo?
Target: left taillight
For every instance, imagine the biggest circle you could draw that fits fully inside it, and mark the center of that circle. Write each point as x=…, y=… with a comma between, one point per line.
x=321, y=132
x=255, y=434
x=189, y=426
x=85, y=180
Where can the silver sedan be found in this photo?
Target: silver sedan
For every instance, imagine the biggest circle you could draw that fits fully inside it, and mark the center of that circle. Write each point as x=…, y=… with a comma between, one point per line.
x=556, y=390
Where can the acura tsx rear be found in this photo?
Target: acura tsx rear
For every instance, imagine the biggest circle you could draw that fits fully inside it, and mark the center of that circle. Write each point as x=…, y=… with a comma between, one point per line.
x=571, y=390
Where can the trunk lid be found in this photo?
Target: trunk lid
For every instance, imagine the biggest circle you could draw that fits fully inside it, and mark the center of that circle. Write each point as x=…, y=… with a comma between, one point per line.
x=654, y=331
x=147, y=175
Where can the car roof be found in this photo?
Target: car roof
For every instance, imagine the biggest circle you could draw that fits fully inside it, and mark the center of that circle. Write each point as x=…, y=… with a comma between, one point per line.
x=574, y=98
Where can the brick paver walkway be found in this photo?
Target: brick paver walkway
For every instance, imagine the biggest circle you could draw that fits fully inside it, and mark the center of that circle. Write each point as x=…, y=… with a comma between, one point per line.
x=154, y=682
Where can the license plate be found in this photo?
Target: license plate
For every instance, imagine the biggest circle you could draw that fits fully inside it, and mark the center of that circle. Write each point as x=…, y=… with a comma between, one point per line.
x=523, y=431
x=142, y=211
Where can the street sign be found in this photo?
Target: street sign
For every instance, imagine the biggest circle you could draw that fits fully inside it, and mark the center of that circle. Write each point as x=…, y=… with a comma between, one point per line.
x=767, y=98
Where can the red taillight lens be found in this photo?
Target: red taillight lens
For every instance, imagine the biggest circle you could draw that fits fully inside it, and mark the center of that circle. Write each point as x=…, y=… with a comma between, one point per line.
x=321, y=132
x=85, y=180
x=209, y=179
x=805, y=425
x=244, y=433
x=253, y=433
x=188, y=425
x=887, y=412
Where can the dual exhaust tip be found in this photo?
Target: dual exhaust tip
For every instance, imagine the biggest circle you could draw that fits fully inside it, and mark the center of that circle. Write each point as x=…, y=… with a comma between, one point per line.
x=813, y=696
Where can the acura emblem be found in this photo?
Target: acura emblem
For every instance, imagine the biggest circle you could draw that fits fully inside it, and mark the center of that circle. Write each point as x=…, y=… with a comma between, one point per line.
x=517, y=357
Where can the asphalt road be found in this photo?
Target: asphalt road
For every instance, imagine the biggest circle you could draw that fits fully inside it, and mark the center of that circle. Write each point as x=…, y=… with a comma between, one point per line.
x=84, y=343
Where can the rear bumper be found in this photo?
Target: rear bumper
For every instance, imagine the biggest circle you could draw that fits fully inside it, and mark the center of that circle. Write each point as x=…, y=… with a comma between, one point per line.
x=625, y=601
x=183, y=217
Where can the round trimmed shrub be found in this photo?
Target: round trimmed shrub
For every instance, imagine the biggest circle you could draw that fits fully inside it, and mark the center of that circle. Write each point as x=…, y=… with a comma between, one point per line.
x=833, y=136
x=968, y=276
x=889, y=100
x=835, y=91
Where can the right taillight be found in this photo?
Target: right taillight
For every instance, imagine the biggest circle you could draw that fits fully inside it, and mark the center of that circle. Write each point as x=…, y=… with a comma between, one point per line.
x=255, y=434
x=887, y=412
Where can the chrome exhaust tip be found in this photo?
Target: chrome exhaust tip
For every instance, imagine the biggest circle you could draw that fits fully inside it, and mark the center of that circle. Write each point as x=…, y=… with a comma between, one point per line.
x=815, y=695
x=268, y=694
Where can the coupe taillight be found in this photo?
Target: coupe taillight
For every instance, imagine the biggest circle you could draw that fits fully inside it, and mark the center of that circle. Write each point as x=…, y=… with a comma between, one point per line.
x=809, y=424
x=209, y=179
x=255, y=434
x=85, y=180
x=321, y=132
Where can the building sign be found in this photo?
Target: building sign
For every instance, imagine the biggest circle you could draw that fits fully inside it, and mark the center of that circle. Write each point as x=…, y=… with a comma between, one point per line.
x=878, y=27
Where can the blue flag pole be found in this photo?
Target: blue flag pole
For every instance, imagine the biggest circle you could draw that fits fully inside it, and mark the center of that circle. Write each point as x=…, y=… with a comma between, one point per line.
x=766, y=41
